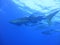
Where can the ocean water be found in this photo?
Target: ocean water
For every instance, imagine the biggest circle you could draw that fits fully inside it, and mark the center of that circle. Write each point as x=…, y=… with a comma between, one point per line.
x=38, y=34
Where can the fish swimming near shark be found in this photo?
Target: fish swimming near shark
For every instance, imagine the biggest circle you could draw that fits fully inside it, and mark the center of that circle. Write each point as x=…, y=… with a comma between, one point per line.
x=49, y=32
x=35, y=19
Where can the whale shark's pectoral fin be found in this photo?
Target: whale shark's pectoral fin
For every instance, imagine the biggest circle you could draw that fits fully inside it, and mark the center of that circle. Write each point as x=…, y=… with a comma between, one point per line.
x=51, y=15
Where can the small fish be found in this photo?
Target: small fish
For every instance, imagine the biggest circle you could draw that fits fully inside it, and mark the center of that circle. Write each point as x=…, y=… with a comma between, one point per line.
x=48, y=32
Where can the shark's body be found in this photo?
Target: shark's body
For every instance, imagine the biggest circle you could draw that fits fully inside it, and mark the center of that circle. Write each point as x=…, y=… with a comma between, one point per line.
x=27, y=20
x=35, y=19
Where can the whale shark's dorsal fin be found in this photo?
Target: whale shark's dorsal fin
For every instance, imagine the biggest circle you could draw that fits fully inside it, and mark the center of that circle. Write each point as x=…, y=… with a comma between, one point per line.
x=51, y=15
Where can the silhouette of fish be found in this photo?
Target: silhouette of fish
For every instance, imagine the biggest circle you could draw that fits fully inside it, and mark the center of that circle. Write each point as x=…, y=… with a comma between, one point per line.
x=49, y=32
x=35, y=19
x=26, y=20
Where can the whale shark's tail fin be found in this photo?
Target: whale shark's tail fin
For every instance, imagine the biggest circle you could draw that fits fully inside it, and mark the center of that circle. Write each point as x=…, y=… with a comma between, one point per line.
x=51, y=15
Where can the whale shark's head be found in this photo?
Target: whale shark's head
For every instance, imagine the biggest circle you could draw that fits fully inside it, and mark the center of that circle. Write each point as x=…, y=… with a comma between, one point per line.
x=20, y=21
x=16, y=22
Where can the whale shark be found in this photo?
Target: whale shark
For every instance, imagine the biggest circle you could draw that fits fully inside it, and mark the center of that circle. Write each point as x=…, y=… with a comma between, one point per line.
x=26, y=20
x=34, y=19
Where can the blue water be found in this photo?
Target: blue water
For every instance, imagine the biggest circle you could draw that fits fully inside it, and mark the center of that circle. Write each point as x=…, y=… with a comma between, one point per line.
x=23, y=35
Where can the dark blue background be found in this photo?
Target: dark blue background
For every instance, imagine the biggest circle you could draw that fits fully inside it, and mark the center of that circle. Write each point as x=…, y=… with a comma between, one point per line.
x=21, y=35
